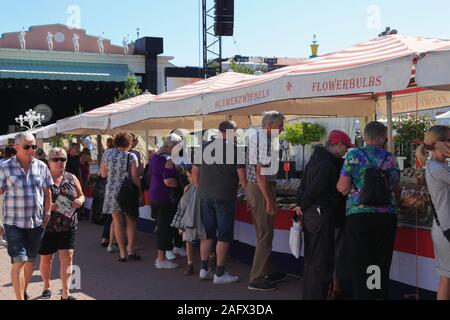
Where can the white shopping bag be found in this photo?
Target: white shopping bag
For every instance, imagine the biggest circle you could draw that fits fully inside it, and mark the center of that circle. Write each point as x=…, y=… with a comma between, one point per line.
x=295, y=239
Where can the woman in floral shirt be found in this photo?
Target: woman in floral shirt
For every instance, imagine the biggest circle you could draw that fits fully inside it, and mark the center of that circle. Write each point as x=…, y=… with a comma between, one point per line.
x=370, y=230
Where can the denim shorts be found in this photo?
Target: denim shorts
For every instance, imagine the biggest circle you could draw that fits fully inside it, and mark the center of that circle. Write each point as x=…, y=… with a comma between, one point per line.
x=23, y=244
x=218, y=219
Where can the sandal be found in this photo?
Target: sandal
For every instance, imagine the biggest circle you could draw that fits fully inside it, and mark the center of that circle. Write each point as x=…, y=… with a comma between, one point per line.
x=46, y=294
x=69, y=298
x=135, y=257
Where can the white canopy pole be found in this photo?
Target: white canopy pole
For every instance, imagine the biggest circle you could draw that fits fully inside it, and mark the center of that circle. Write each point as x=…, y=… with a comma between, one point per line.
x=146, y=145
x=390, y=144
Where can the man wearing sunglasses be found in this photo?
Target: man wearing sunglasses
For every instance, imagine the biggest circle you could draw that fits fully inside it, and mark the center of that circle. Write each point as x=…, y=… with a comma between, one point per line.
x=25, y=183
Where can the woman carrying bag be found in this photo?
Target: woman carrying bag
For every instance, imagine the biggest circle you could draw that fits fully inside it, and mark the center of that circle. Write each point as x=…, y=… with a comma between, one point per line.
x=437, y=175
x=163, y=192
x=119, y=167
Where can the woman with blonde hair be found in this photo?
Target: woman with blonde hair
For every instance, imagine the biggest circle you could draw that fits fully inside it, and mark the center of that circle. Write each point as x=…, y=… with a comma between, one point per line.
x=437, y=173
x=61, y=230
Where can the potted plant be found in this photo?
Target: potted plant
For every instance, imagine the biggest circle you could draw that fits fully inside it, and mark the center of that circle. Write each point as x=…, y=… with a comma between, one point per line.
x=303, y=133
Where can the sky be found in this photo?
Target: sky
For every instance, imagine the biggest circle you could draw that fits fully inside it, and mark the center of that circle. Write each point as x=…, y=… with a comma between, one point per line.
x=268, y=28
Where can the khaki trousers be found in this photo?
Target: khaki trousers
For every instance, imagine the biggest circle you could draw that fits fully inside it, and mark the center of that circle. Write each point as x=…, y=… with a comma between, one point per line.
x=264, y=223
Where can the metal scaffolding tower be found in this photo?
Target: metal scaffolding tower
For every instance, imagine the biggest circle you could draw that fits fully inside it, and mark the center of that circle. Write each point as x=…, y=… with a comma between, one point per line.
x=210, y=40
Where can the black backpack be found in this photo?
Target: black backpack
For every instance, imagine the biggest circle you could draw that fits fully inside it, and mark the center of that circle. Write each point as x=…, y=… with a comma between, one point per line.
x=376, y=191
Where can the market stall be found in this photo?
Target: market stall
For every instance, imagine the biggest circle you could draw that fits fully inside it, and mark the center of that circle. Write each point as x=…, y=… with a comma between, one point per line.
x=352, y=82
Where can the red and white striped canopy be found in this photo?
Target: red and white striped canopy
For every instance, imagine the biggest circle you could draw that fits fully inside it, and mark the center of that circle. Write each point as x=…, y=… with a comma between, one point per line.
x=344, y=80
x=186, y=101
x=98, y=119
x=433, y=70
x=339, y=84
x=379, y=65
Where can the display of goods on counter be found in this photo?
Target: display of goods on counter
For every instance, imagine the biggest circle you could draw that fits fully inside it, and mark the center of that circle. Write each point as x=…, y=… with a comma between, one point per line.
x=286, y=203
x=284, y=188
x=286, y=194
x=416, y=205
x=287, y=187
x=412, y=177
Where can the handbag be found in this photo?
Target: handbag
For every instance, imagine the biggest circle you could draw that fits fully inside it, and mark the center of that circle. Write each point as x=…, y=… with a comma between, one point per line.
x=128, y=196
x=445, y=232
x=176, y=222
x=183, y=206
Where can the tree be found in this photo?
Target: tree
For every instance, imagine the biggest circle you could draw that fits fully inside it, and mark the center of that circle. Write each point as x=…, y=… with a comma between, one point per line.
x=303, y=133
x=131, y=90
x=240, y=68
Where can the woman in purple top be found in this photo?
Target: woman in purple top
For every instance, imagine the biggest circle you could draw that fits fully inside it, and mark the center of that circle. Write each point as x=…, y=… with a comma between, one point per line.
x=163, y=183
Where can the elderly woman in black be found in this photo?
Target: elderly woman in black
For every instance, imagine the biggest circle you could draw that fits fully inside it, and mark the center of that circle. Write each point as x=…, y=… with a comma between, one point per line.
x=67, y=196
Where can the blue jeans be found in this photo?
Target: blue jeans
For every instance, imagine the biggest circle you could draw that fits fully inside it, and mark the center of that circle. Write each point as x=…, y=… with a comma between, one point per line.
x=218, y=219
x=23, y=244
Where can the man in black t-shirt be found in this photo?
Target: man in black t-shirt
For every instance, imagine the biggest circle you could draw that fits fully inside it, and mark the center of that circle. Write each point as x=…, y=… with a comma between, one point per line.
x=73, y=166
x=73, y=160
x=217, y=177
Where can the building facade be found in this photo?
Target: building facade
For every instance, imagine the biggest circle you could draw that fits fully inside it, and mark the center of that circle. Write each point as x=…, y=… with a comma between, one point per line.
x=59, y=71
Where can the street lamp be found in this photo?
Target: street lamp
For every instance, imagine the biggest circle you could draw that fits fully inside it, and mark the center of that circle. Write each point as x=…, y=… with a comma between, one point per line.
x=31, y=120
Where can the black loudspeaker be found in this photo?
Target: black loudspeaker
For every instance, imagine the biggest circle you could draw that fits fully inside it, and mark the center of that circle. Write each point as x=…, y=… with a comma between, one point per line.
x=149, y=46
x=224, y=18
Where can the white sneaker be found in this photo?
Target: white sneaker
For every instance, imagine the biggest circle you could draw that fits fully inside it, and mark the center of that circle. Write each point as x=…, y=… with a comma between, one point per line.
x=112, y=249
x=170, y=255
x=3, y=243
x=226, y=278
x=165, y=264
x=180, y=252
x=206, y=275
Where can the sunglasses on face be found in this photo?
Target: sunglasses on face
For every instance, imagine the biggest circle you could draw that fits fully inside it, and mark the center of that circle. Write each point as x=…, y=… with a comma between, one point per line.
x=58, y=160
x=28, y=147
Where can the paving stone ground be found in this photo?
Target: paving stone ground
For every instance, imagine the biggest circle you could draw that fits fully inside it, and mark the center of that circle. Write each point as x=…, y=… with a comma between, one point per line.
x=104, y=278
